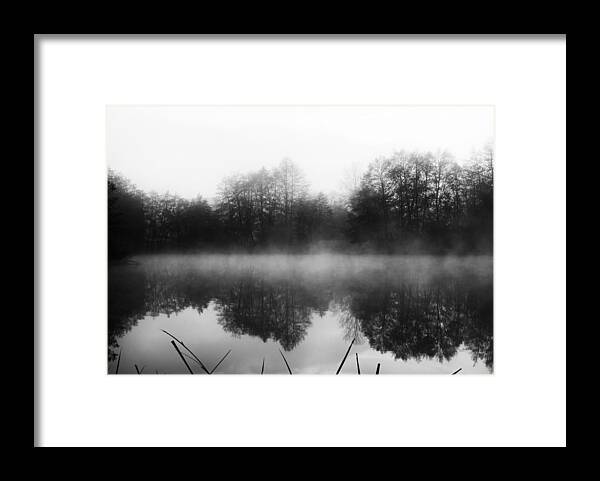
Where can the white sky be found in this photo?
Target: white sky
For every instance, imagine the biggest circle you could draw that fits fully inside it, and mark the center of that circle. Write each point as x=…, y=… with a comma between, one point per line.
x=188, y=150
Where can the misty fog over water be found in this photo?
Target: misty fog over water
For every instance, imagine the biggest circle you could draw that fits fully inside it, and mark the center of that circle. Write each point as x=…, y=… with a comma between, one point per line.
x=409, y=314
x=339, y=243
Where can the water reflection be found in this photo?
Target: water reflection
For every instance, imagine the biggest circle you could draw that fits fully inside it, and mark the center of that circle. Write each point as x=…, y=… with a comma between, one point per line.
x=281, y=312
x=414, y=309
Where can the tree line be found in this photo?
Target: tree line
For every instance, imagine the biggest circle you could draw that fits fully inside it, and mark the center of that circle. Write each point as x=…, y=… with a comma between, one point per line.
x=415, y=201
x=407, y=202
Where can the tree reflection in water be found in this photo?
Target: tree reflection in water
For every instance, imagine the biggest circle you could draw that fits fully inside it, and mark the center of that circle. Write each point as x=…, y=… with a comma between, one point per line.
x=258, y=308
x=427, y=321
x=126, y=303
x=405, y=313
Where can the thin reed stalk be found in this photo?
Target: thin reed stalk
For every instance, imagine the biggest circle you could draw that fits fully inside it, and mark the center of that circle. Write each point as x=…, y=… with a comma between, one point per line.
x=118, y=361
x=182, y=358
x=262, y=369
x=344, y=360
x=196, y=358
x=357, y=364
x=457, y=371
x=285, y=360
x=219, y=363
x=190, y=357
x=137, y=369
x=378, y=366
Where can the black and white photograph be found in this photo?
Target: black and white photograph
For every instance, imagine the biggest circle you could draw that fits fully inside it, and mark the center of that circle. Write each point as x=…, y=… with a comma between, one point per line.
x=300, y=239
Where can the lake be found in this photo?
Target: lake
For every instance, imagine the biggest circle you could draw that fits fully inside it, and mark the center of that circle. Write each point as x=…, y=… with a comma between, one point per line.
x=407, y=314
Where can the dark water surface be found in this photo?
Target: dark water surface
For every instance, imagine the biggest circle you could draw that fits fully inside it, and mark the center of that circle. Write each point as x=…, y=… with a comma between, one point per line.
x=413, y=314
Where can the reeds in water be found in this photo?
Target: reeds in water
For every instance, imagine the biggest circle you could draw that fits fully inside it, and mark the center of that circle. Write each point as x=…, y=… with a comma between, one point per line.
x=118, y=361
x=344, y=360
x=219, y=363
x=188, y=350
x=285, y=360
x=182, y=358
x=195, y=358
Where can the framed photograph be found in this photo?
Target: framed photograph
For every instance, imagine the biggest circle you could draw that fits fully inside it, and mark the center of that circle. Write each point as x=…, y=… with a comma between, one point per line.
x=309, y=237
x=314, y=227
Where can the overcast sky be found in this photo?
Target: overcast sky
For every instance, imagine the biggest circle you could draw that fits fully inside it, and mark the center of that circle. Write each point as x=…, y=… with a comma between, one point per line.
x=188, y=150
